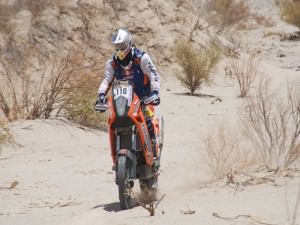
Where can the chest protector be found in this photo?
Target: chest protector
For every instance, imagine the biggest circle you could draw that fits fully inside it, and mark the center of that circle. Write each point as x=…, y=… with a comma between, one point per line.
x=134, y=74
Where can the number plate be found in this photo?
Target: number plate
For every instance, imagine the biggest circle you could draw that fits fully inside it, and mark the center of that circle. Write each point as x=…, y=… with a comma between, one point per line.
x=123, y=90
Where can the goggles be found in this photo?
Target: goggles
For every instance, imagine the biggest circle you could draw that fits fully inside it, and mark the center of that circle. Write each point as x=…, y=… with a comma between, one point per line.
x=121, y=46
x=121, y=50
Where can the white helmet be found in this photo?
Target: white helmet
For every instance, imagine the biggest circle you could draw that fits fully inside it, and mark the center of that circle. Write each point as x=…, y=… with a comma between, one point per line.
x=122, y=41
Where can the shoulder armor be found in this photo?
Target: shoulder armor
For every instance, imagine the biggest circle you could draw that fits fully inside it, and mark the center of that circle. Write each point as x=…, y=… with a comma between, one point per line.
x=138, y=54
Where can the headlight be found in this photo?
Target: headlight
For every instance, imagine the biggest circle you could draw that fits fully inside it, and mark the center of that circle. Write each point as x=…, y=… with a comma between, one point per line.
x=121, y=105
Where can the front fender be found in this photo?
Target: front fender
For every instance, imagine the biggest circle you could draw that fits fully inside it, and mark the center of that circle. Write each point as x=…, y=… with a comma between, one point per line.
x=130, y=160
x=129, y=155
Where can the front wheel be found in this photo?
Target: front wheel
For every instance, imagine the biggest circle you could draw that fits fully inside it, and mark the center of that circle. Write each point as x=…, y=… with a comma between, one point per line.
x=123, y=183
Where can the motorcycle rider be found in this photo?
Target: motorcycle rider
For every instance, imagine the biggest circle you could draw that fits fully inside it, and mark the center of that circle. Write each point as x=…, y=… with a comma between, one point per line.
x=130, y=63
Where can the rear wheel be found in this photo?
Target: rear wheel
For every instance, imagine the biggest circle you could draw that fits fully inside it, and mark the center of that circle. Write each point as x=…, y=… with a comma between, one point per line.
x=123, y=183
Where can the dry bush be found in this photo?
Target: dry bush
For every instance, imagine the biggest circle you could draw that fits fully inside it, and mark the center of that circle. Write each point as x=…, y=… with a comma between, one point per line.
x=290, y=11
x=227, y=12
x=244, y=71
x=80, y=100
x=5, y=135
x=273, y=125
x=197, y=64
x=34, y=94
x=224, y=153
x=55, y=89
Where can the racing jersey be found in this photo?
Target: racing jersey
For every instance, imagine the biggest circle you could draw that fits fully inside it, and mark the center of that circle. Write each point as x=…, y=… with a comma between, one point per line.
x=140, y=71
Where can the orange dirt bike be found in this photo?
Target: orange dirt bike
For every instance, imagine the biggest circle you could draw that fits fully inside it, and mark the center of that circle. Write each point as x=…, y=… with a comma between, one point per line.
x=131, y=146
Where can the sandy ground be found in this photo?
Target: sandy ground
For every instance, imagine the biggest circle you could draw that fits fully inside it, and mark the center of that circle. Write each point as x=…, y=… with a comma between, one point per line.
x=60, y=173
x=64, y=171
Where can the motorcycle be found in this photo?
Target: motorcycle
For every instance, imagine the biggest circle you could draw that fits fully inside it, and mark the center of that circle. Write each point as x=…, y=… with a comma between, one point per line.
x=131, y=146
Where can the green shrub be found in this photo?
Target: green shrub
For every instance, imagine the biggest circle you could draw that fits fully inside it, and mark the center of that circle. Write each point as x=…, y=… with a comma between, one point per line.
x=290, y=12
x=5, y=135
x=197, y=64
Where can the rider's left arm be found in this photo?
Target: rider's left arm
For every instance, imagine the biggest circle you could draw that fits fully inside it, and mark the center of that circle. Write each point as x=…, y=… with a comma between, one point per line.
x=150, y=70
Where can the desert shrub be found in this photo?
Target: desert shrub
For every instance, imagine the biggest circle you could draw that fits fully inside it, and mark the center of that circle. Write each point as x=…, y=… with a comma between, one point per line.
x=32, y=94
x=80, y=100
x=290, y=11
x=224, y=152
x=227, y=12
x=60, y=88
x=5, y=135
x=244, y=71
x=197, y=64
x=273, y=125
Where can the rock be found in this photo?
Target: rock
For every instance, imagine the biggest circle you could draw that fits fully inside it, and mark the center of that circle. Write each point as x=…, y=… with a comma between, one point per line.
x=294, y=36
x=281, y=55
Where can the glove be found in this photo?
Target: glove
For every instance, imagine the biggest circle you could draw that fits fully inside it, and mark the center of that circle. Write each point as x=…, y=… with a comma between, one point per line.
x=154, y=99
x=101, y=98
x=100, y=105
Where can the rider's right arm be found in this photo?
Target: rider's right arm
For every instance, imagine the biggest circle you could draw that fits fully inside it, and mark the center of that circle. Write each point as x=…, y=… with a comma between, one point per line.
x=108, y=77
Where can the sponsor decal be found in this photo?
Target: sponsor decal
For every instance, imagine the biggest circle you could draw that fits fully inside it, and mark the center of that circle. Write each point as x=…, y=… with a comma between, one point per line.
x=152, y=69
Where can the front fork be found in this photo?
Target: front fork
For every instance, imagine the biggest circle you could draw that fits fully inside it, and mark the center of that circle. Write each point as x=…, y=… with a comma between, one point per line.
x=131, y=160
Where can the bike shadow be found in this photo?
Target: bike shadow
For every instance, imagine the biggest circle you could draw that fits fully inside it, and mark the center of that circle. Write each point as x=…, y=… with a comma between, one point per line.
x=113, y=206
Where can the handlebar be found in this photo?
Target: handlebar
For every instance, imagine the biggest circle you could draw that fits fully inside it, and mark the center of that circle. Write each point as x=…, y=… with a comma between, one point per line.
x=101, y=107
